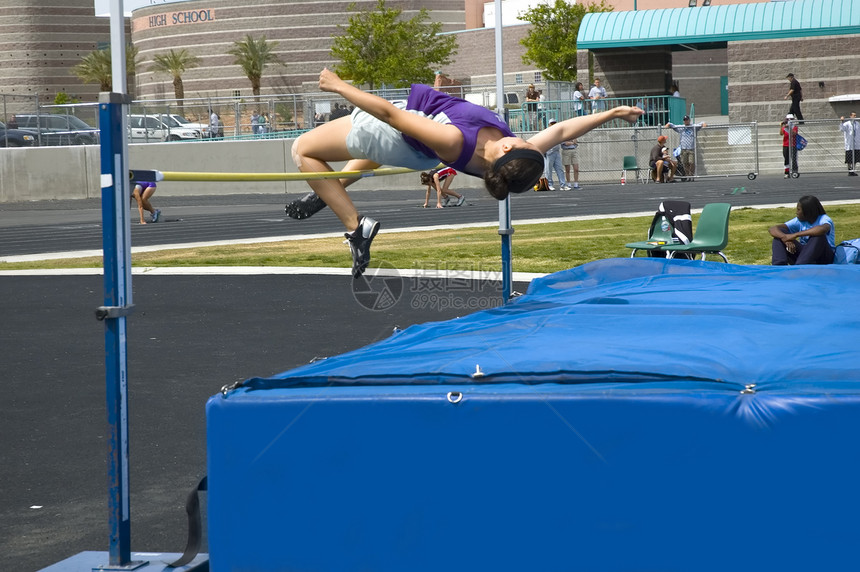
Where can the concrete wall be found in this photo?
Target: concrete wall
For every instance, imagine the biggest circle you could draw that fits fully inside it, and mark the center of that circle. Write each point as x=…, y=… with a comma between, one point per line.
x=48, y=173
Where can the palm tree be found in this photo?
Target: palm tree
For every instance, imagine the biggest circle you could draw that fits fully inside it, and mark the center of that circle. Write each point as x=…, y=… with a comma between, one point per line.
x=176, y=63
x=253, y=55
x=95, y=67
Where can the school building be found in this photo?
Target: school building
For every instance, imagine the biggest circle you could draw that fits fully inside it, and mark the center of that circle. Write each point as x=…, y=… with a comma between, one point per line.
x=729, y=57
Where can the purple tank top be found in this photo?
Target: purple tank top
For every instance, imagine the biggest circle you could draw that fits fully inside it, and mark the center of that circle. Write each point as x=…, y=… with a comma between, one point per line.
x=447, y=109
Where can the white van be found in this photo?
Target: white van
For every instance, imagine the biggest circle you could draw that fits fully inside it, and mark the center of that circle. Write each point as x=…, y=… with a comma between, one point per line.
x=151, y=129
x=184, y=122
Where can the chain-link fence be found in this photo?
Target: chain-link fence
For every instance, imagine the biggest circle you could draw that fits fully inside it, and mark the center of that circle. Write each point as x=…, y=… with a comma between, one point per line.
x=722, y=150
x=606, y=155
x=831, y=145
x=237, y=118
x=718, y=150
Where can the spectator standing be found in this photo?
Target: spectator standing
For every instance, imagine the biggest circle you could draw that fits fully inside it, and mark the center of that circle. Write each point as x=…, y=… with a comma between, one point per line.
x=255, y=122
x=541, y=122
x=578, y=99
x=532, y=99
x=552, y=162
x=13, y=123
x=808, y=238
x=263, y=121
x=851, y=132
x=688, y=132
x=215, y=129
x=676, y=92
x=596, y=93
x=788, y=129
x=569, y=158
x=795, y=92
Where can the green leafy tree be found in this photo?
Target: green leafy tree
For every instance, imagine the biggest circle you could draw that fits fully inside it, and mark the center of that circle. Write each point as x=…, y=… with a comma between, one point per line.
x=176, y=63
x=95, y=67
x=253, y=55
x=380, y=48
x=551, y=43
x=63, y=98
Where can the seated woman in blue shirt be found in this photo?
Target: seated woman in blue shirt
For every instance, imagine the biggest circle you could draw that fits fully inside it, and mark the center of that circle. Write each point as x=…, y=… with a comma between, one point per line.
x=808, y=238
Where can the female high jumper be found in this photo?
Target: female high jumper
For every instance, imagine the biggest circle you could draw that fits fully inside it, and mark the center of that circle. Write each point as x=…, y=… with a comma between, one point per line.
x=429, y=127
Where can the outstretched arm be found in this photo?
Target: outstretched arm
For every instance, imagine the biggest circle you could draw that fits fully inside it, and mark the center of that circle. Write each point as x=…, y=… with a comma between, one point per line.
x=577, y=126
x=445, y=140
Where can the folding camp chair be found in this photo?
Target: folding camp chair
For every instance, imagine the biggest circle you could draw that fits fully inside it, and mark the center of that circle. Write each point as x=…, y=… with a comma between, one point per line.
x=672, y=224
x=659, y=235
x=712, y=233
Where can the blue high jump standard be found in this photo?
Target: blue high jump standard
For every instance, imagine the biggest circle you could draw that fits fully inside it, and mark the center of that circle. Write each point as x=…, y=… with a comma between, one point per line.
x=628, y=414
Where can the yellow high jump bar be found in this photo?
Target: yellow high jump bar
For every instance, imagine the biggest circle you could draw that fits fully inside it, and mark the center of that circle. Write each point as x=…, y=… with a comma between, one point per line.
x=151, y=176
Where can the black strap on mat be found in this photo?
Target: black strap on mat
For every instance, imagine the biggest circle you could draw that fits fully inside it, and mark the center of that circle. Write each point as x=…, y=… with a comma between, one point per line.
x=195, y=526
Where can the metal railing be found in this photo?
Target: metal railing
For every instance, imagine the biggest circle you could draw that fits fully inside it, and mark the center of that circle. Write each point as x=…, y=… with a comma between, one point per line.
x=659, y=110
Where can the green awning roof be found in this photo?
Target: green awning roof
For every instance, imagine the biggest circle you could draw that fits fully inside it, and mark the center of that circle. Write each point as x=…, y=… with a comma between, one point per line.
x=726, y=23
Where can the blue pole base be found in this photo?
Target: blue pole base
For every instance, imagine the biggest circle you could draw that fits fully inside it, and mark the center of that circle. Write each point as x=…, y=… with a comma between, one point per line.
x=141, y=561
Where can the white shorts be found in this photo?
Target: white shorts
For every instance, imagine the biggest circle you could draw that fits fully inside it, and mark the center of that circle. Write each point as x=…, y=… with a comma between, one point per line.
x=371, y=138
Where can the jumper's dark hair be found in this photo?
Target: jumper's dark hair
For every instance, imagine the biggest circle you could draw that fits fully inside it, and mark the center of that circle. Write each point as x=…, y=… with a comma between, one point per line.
x=515, y=172
x=426, y=178
x=811, y=208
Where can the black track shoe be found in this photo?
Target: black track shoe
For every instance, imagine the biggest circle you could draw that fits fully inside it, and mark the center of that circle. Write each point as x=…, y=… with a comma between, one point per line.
x=305, y=207
x=359, y=244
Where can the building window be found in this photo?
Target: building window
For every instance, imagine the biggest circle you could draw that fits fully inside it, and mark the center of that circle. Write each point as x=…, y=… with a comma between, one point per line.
x=237, y=94
x=518, y=78
x=538, y=78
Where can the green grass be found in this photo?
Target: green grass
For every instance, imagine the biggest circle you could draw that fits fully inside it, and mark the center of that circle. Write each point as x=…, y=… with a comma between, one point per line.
x=536, y=248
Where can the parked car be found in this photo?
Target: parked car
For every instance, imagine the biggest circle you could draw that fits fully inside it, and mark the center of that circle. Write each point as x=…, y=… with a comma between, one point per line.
x=57, y=129
x=16, y=137
x=153, y=128
x=184, y=122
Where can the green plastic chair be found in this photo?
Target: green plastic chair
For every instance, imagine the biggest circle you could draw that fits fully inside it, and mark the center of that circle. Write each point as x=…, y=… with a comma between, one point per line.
x=712, y=233
x=657, y=237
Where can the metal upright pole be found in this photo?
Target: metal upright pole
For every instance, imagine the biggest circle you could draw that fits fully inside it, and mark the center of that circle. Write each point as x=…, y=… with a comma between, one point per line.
x=505, y=229
x=116, y=241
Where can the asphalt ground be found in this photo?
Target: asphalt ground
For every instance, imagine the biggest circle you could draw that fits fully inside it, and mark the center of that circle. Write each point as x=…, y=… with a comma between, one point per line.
x=193, y=334
x=61, y=226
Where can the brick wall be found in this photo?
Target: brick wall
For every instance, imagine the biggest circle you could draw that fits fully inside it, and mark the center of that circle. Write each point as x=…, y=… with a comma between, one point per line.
x=41, y=40
x=476, y=56
x=757, y=71
x=303, y=32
